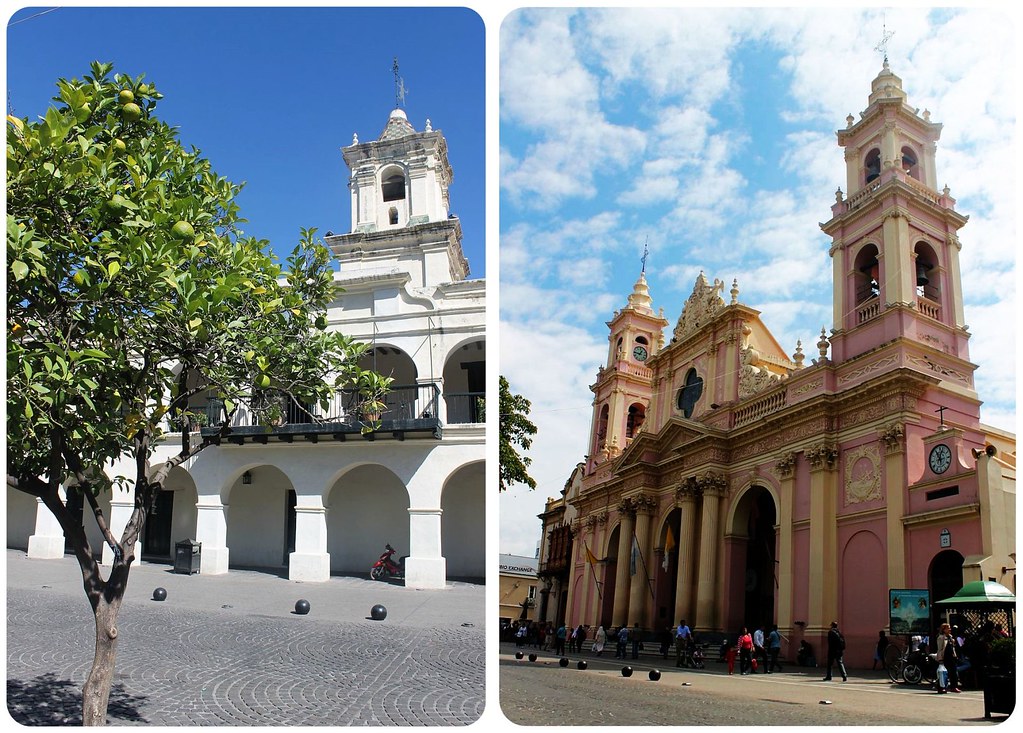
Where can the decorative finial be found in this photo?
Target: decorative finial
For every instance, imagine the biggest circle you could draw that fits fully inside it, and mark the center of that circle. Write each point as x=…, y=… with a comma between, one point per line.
x=799, y=357
x=822, y=345
x=849, y=119
x=946, y=190
x=646, y=252
x=734, y=292
x=399, y=86
x=927, y=115
x=838, y=195
x=355, y=138
x=429, y=127
x=882, y=46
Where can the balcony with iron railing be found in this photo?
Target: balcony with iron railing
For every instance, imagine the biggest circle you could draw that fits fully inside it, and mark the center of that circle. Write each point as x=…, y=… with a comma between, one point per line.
x=465, y=407
x=404, y=410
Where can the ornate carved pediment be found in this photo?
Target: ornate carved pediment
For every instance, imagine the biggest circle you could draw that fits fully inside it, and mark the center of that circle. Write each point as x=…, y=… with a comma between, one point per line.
x=700, y=307
x=754, y=376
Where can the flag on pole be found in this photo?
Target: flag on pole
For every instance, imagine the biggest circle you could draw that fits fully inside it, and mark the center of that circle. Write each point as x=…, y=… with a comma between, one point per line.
x=669, y=545
x=590, y=558
x=635, y=555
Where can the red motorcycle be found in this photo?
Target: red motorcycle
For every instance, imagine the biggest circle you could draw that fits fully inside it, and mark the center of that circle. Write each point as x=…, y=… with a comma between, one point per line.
x=385, y=567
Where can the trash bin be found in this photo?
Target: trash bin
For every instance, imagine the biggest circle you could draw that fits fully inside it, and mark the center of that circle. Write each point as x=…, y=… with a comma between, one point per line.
x=187, y=555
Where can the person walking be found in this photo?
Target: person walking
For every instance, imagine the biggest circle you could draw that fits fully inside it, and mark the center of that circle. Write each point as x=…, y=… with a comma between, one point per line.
x=623, y=640
x=682, y=633
x=599, y=640
x=948, y=656
x=836, y=652
x=559, y=640
x=882, y=644
x=636, y=643
x=759, y=652
x=745, y=651
x=773, y=649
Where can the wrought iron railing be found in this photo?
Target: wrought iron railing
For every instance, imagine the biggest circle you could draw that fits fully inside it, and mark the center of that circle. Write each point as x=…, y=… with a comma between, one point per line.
x=346, y=407
x=465, y=407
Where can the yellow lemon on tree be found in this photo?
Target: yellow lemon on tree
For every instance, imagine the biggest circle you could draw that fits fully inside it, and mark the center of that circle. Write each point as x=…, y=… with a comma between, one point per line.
x=125, y=96
x=118, y=145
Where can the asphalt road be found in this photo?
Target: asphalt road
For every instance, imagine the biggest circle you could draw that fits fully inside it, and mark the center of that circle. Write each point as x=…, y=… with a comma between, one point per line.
x=229, y=650
x=544, y=693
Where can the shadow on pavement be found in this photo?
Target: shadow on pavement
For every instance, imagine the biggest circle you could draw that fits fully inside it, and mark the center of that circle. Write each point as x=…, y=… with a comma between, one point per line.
x=47, y=700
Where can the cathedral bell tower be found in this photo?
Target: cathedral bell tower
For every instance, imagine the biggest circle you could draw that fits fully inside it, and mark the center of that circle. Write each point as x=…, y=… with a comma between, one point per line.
x=895, y=248
x=624, y=386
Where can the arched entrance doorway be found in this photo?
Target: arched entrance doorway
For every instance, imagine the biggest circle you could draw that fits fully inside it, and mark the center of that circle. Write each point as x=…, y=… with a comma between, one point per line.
x=366, y=508
x=753, y=578
x=607, y=603
x=667, y=571
x=261, y=519
x=463, y=523
x=172, y=518
x=945, y=578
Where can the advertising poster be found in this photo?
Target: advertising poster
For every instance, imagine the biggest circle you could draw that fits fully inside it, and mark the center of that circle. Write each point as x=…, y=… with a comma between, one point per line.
x=909, y=611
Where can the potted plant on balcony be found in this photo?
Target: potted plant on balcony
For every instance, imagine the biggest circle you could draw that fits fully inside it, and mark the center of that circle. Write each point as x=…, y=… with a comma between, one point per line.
x=372, y=388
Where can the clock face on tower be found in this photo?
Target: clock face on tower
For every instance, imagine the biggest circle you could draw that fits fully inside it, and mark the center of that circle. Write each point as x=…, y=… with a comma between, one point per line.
x=640, y=353
x=940, y=459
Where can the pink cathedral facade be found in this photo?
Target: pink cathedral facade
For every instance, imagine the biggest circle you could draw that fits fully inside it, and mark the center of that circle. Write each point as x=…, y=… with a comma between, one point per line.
x=756, y=487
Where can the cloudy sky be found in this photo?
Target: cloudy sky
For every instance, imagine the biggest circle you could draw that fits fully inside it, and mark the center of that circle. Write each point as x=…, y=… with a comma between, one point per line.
x=710, y=135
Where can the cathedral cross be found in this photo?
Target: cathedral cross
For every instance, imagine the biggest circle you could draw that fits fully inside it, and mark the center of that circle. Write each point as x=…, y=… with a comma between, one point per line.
x=399, y=86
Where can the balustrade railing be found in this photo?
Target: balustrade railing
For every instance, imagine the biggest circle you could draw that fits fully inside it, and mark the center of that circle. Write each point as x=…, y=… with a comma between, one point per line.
x=760, y=408
x=465, y=407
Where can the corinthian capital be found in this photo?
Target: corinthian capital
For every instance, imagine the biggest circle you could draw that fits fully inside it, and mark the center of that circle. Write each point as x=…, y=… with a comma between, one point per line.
x=822, y=456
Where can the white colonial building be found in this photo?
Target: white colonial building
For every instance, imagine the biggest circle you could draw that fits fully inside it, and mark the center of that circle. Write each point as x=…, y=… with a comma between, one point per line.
x=316, y=495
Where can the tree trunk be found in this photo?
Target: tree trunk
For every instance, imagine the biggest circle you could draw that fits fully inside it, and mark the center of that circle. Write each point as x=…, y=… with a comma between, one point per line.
x=96, y=692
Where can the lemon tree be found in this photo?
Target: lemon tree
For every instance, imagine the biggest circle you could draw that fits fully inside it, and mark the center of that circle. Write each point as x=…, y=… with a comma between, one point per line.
x=130, y=287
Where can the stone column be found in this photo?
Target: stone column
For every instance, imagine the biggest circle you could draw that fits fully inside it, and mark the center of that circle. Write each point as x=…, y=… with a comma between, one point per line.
x=686, y=496
x=47, y=542
x=899, y=273
x=894, y=441
x=620, y=610
x=122, y=503
x=639, y=586
x=425, y=566
x=823, y=459
x=570, y=600
x=712, y=487
x=785, y=470
x=211, y=531
x=310, y=562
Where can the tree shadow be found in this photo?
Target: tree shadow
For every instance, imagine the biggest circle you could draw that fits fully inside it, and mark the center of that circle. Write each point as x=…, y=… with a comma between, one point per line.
x=47, y=700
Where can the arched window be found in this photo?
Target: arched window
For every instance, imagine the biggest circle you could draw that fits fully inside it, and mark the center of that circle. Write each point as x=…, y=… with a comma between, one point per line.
x=392, y=215
x=393, y=187
x=909, y=163
x=602, y=428
x=867, y=275
x=928, y=282
x=637, y=415
x=690, y=393
x=872, y=165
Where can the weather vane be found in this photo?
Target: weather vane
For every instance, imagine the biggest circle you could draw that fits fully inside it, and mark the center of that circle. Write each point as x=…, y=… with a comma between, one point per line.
x=645, y=253
x=886, y=36
x=399, y=86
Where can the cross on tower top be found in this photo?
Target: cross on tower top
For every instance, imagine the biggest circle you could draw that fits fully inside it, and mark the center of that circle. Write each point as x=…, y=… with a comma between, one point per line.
x=882, y=45
x=646, y=252
x=399, y=86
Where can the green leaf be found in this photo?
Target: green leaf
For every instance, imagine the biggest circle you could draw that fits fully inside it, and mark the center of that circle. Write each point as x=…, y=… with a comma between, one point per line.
x=20, y=269
x=113, y=268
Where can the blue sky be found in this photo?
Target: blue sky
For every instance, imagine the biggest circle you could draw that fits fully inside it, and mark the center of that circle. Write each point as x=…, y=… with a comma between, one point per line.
x=710, y=135
x=270, y=95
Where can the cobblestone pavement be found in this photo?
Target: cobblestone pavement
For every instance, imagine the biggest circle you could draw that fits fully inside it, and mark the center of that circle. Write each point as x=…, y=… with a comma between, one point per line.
x=192, y=661
x=544, y=693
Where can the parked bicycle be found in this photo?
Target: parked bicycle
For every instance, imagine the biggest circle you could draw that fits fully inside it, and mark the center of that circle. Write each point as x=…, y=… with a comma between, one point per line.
x=912, y=666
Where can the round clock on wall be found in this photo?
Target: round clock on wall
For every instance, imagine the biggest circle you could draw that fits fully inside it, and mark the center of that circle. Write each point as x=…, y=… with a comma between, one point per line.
x=940, y=459
x=640, y=353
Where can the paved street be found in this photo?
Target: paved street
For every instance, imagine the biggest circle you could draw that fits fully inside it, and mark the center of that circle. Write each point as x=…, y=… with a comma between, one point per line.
x=229, y=650
x=543, y=693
